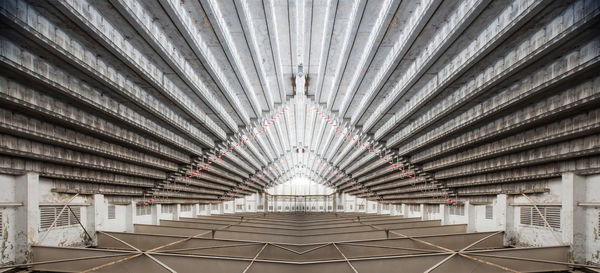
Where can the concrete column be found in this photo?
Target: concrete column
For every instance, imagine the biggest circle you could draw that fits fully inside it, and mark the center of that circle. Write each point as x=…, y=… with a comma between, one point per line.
x=404, y=210
x=572, y=221
x=500, y=211
x=195, y=208
x=471, y=213
x=422, y=208
x=334, y=200
x=129, y=216
x=155, y=211
x=177, y=212
x=444, y=213
x=27, y=217
x=265, y=202
x=97, y=213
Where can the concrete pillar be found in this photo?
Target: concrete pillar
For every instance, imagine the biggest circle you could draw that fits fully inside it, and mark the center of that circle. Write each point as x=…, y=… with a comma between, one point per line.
x=195, y=208
x=97, y=213
x=471, y=214
x=27, y=217
x=500, y=211
x=422, y=208
x=405, y=210
x=155, y=211
x=129, y=215
x=572, y=221
x=334, y=200
x=177, y=212
x=444, y=213
x=265, y=202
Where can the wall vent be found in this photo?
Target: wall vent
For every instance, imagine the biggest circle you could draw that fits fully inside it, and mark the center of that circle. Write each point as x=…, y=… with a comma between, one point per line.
x=143, y=210
x=530, y=216
x=49, y=213
x=456, y=210
x=112, y=212
x=186, y=208
x=489, y=212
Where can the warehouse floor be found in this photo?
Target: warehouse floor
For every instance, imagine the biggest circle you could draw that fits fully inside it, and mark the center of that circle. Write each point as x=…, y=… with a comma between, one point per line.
x=300, y=242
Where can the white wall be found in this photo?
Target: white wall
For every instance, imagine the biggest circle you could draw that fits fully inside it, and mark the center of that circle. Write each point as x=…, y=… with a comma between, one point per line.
x=506, y=215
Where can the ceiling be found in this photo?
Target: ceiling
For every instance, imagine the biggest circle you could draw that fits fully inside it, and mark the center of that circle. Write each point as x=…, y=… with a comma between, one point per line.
x=245, y=95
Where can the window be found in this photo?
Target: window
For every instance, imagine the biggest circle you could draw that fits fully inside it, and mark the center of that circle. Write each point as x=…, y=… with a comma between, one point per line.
x=313, y=208
x=361, y=207
x=187, y=207
x=530, y=216
x=214, y=206
x=350, y=207
x=202, y=207
x=415, y=208
x=112, y=212
x=489, y=212
x=320, y=207
x=329, y=208
x=142, y=210
x=374, y=207
x=278, y=207
x=287, y=208
x=49, y=213
x=456, y=210
x=239, y=207
x=226, y=206
x=340, y=207
x=387, y=207
x=259, y=207
x=249, y=207
x=270, y=208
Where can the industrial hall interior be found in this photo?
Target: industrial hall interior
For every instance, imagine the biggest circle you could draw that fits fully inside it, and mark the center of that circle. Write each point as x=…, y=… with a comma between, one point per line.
x=302, y=136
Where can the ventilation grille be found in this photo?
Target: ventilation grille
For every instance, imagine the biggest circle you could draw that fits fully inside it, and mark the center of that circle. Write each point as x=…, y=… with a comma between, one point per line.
x=168, y=208
x=457, y=210
x=49, y=213
x=489, y=212
x=112, y=212
x=530, y=216
x=432, y=209
x=143, y=210
x=1, y=226
x=186, y=208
